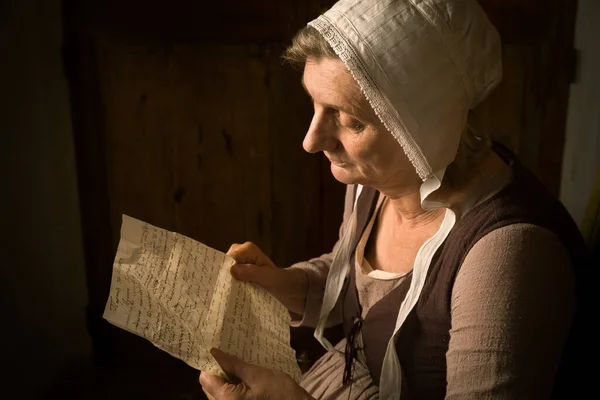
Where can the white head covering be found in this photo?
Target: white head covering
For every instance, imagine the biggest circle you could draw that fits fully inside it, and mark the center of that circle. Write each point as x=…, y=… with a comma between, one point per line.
x=422, y=65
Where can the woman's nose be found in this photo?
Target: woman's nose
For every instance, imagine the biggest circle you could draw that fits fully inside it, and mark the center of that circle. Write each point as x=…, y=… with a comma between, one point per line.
x=320, y=136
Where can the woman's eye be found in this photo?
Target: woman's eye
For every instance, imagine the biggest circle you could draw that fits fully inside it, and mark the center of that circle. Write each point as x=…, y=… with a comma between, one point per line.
x=352, y=124
x=357, y=126
x=348, y=122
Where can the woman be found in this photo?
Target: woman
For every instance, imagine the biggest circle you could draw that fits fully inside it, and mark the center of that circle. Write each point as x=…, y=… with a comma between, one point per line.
x=456, y=275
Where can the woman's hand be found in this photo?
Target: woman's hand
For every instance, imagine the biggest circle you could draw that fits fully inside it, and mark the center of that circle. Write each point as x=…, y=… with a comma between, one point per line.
x=255, y=382
x=288, y=285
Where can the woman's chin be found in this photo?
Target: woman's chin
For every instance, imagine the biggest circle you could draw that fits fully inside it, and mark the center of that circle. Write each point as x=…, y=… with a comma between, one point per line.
x=343, y=174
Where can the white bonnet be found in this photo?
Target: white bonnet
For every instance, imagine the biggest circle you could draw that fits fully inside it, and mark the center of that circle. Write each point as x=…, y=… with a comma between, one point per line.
x=422, y=65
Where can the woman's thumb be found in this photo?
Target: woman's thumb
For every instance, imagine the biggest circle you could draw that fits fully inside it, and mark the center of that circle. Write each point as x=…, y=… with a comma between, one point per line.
x=263, y=276
x=245, y=272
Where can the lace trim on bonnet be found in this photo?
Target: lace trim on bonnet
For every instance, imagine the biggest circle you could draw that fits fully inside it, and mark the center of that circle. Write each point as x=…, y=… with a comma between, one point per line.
x=373, y=93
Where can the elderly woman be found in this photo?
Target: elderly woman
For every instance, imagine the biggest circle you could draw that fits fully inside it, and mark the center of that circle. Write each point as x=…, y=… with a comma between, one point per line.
x=456, y=273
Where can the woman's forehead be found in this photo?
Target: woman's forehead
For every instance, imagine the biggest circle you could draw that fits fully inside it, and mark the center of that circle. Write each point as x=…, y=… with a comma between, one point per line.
x=329, y=82
x=328, y=71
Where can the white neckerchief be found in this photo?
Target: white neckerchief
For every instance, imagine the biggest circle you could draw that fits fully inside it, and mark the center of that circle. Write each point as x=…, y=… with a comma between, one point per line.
x=390, y=383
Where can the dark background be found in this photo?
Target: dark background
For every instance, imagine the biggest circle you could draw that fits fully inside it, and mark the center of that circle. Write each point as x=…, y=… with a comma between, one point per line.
x=181, y=113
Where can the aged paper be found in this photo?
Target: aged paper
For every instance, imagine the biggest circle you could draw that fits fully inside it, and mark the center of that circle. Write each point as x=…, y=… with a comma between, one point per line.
x=179, y=294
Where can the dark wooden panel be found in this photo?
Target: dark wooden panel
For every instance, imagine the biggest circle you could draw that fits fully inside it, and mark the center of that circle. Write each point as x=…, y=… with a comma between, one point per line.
x=556, y=70
x=297, y=213
x=187, y=140
x=188, y=20
x=139, y=146
x=503, y=114
x=219, y=101
x=546, y=29
x=520, y=21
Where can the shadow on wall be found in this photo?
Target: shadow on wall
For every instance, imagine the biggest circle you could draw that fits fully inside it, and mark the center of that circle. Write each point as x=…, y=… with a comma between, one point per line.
x=42, y=288
x=126, y=384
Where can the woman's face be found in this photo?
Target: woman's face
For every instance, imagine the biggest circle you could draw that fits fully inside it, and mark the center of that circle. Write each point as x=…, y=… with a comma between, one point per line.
x=345, y=128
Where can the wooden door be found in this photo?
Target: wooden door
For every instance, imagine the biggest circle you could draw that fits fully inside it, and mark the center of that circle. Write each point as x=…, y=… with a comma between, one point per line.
x=184, y=116
x=527, y=112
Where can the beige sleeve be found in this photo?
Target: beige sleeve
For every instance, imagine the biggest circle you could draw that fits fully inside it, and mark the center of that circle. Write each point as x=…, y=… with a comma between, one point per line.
x=512, y=306
x=317, y=270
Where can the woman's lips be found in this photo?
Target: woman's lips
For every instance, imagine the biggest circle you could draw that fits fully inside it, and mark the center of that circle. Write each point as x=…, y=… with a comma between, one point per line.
x=336, y=162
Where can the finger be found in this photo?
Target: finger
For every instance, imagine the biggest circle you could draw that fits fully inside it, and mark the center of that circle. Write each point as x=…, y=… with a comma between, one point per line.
x=246, y=272
x=212, y=385
x=233, y=247
x=266, y=277
x=231, y=365
x=247, y=253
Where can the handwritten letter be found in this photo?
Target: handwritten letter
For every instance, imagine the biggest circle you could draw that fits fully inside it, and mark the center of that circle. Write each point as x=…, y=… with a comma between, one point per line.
x=178, y=294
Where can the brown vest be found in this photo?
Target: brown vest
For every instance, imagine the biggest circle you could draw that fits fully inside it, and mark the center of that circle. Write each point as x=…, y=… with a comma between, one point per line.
x=423, y=340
